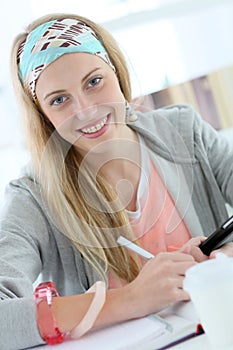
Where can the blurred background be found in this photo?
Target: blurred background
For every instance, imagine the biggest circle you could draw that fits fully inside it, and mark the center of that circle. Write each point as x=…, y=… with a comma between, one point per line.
x=177, y=51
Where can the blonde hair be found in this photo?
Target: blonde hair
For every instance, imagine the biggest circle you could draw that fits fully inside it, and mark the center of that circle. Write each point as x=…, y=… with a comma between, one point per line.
x=92, y=228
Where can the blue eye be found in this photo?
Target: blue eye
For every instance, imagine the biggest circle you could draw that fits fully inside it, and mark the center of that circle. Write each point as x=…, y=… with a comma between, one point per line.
x=58, y=100
x=94, y=81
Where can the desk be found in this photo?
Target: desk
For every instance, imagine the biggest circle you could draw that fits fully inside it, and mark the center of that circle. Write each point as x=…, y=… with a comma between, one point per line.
x=199, y=343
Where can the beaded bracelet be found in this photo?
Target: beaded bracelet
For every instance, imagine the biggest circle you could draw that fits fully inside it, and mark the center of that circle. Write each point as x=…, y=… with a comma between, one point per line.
x=49, y=330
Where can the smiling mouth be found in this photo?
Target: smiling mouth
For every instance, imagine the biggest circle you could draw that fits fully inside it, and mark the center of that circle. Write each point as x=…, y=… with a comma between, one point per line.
x=96, y=127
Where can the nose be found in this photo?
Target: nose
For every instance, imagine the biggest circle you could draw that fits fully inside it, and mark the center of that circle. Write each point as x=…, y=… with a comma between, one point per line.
x=85, y=108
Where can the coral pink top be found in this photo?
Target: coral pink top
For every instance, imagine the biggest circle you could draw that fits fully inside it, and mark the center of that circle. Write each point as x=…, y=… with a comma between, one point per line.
x=159, y=226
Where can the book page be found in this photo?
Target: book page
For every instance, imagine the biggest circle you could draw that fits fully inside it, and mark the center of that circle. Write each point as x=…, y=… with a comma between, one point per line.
x=183, y=318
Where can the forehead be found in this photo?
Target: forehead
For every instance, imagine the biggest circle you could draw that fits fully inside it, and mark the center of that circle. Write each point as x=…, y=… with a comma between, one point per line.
x=76, y=63
x=69, y=68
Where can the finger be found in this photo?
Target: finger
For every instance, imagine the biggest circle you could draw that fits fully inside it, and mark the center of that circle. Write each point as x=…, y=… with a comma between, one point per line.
x=196, y=241
x=179, y=281
x=176, y=292
x=182, y=295
x=173, y=270
x=174, y=256
x=226, y=249
x=180, y=268
x=197, y=254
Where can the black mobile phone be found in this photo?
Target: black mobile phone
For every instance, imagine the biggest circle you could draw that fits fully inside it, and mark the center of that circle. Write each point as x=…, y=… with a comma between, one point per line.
x=218, y=238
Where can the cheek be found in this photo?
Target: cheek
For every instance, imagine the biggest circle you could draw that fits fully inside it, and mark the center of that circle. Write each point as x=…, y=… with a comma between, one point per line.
x=59, y=120
x=113, y=92
x=120, y=107
x=116, y=99
x=65, y=127
x=68, y=131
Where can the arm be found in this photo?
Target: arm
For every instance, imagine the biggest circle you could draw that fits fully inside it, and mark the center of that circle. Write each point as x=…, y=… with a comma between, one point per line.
x=158, y=285
x=21, y=260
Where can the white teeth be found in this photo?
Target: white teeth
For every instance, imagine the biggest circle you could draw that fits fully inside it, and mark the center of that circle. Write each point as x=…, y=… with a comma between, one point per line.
x=95, y=128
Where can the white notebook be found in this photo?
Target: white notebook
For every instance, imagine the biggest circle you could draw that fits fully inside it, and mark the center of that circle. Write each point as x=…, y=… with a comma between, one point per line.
x=126, y=335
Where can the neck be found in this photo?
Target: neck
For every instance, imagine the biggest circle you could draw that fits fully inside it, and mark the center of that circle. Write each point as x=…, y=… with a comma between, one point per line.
x=123, y=170
x=120, y=165
x=121, y=157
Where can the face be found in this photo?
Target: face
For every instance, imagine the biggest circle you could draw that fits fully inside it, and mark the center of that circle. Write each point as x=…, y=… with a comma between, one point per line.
x=80, y=94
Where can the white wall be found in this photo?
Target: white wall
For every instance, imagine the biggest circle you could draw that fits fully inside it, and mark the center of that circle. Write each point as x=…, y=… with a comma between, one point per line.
x=177, y=45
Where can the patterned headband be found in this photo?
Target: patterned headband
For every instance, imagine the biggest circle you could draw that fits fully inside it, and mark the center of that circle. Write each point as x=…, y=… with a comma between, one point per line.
x=51, y=40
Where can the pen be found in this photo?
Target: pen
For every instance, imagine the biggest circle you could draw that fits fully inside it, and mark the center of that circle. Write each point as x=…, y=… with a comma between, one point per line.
x=135, y=248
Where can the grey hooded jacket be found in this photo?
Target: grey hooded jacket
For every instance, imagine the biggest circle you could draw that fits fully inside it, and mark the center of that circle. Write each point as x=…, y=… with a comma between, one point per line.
x=197, y=166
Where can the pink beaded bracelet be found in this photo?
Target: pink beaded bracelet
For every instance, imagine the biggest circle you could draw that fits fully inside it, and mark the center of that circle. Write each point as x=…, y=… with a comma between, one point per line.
x=47, y=324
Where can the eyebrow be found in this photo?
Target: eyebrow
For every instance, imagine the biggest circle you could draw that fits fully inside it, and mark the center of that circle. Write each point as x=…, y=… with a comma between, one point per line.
x=88, y=74
x=83, y=79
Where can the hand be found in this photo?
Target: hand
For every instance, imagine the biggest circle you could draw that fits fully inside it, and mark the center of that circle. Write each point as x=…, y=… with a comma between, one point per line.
x=192, y=248
x=160, y=283
x=226, y=249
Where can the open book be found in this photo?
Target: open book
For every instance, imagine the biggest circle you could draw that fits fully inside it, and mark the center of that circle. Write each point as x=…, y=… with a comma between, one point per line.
x=147, y=333
x=184, y=320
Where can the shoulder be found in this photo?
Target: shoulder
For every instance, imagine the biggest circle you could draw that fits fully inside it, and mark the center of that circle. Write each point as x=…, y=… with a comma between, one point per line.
x=179, y=115
x=24, y=186
x=170, y=129
x=23, y=196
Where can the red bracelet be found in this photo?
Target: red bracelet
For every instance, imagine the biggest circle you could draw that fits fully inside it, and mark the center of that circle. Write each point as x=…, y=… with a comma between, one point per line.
x=47, y=324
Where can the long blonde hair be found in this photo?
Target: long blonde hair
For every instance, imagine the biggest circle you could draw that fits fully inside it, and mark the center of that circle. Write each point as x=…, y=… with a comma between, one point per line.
x=92, y=228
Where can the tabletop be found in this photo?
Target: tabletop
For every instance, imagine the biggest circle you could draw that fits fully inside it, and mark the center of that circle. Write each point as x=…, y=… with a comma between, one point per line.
x=198, y=343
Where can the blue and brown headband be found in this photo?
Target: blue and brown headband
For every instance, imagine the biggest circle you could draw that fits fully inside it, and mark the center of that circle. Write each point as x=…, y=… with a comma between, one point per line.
x=50, y=41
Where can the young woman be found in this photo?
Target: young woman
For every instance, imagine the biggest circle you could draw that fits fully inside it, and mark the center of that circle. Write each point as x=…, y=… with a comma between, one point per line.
x=100, y=170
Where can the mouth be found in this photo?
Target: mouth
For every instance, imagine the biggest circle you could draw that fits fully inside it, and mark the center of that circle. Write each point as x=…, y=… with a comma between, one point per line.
x=96, y=130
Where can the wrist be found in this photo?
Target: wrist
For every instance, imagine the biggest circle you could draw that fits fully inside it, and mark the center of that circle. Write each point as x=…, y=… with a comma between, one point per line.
x=132, y=301
x=121, y=305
